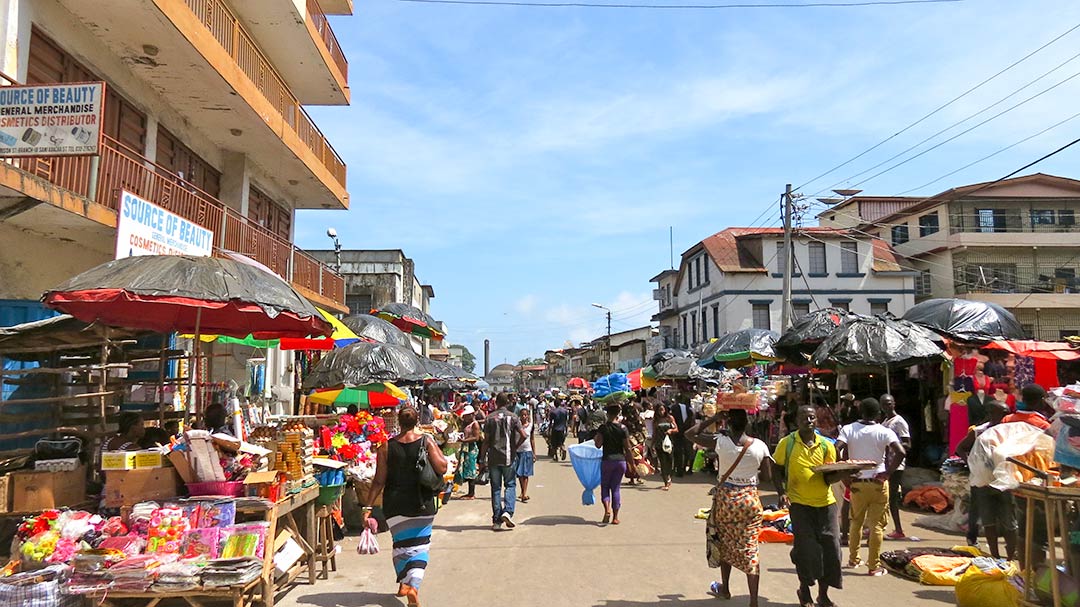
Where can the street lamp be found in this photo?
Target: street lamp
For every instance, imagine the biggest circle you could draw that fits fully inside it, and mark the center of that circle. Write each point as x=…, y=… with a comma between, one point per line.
x=605, y=309
x=332, y=233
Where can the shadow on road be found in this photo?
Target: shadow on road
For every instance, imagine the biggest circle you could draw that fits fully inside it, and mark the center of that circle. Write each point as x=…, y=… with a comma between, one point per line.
x=683, y=601
x=462, y=528
x=349, y=599
x=556, y=520
x=945, y=595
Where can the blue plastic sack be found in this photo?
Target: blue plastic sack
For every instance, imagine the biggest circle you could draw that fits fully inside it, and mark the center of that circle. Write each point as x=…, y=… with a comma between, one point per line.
x=611, y=385
x=585, y=458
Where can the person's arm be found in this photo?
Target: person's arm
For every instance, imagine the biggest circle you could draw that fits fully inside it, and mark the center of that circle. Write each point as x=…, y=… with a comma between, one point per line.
x=628, y=451
x=894, y=454
x=674, y=426
x=765, y=469
x=693, y=434
x=779, y=474
x=598, y=439
x=485, y=446
x=964, y=448
x=379, y=482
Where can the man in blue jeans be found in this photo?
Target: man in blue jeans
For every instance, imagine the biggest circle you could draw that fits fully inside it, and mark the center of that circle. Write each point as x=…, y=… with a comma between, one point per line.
x=502, y=436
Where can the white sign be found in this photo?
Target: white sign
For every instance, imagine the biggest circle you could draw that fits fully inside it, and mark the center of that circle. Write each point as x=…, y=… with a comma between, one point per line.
x=144, y=228
x=51, y=119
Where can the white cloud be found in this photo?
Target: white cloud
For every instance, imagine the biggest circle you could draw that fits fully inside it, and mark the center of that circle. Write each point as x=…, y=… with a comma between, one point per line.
x=525, y=305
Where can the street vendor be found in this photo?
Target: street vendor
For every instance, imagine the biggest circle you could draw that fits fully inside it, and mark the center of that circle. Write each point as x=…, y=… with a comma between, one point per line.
x=216, y=419
x=131, y=432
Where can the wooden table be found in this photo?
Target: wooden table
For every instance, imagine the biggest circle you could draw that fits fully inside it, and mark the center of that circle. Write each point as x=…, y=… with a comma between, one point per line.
x=1055, y=503
x=281, y=515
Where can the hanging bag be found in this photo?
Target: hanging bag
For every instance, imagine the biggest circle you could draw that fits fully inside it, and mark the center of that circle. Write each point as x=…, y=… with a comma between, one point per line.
x=369, y=544
x=429, y=479
x=667, y=445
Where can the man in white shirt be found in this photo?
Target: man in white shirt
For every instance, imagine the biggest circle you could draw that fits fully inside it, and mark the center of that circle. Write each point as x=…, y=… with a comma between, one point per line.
x=868, y=440
x=893, y=421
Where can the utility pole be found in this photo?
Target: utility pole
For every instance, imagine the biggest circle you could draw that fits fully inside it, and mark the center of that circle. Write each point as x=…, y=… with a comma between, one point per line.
x=785, y=312
x=609, y=342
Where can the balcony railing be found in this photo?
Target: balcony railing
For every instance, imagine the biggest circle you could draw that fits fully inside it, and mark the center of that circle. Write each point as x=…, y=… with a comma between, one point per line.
x=1015, y=278
x=226, y=28
x=322, y=25
x=1005, y=221
x=121, y=168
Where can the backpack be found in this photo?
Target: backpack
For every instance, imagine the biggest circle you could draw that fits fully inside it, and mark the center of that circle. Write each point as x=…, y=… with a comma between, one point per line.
x=791, y=447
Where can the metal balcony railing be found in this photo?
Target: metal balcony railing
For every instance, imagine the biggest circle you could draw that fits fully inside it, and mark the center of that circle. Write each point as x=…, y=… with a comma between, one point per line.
x=1016, y=278
x=1004, y=221
x=226, y=28
x=122, y=168
x=322, y=25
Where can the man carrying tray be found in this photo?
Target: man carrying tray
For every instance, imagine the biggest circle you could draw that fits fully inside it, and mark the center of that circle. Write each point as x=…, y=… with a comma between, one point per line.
x=812, y=507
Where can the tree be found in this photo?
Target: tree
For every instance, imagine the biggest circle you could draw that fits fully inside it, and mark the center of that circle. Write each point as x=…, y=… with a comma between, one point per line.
x=468, y=361
x=531, y=361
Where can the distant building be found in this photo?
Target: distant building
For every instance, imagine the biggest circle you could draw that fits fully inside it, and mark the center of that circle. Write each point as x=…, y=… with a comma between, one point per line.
x=501, y=378
x=375, y=278
x=733, y=280
x=1013, y=243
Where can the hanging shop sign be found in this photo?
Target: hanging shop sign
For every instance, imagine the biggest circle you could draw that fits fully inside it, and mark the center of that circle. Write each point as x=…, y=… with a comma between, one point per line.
x=51, y=119
x=144, y=228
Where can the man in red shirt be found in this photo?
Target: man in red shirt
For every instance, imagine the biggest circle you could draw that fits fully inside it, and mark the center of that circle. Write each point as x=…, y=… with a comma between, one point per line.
x=1033, y=408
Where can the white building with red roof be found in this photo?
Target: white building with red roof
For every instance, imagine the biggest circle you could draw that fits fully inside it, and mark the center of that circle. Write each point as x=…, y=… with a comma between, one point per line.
x=733, y=280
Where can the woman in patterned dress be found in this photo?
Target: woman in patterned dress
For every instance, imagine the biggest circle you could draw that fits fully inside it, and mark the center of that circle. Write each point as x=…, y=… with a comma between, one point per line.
x=731, y=532
x=470, y=451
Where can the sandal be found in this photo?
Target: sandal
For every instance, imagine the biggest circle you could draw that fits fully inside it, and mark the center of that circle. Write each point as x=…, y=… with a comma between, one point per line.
x=606, y=519
x=804, y=600
x=614, y=521
x=827, y=603
x=719, y=591
x=524, y=498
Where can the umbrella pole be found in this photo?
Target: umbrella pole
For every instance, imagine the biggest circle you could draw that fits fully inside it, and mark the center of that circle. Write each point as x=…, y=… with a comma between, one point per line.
x=888, y=384
x=196, y=375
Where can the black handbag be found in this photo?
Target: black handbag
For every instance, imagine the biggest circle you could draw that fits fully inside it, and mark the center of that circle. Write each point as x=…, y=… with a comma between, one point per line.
x=429, y=479
x=484, y=477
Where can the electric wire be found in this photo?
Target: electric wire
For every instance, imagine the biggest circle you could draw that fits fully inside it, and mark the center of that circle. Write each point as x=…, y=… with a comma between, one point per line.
x=684, y=6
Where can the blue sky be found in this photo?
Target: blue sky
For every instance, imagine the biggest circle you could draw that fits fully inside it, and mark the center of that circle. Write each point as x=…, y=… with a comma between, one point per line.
x=531, y=160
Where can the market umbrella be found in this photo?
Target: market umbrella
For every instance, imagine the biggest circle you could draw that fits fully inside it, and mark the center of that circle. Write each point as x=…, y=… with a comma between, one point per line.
x=807, y=333
x=677, y=364
x=578, y=383
x=410, y=319
x=439, y=370
x=178, y=293
x=366, y=363
x=375, y=395
x=967, y=320
x=877, y=342
x=740, y=349
x=373, y=328
x=341, y=336
x=1056, y=350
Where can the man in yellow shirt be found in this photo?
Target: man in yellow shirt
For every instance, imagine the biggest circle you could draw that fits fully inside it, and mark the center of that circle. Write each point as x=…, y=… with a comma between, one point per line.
x=816, y=552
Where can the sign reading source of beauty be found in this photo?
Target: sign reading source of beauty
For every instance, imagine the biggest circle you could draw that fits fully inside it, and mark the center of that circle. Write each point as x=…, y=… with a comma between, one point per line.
x=51, y=119
x=144, y=228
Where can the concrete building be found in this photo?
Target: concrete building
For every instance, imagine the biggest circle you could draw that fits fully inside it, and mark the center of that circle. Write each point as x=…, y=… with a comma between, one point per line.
x=733, y=280
x=1012, y=242
x=375, y=278
x=203, y=115
x=501, y=378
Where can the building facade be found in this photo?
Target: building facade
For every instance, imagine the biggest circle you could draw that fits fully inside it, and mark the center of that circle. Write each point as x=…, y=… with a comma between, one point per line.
x=375, y=278
x=1014, y=243
x=733, y=280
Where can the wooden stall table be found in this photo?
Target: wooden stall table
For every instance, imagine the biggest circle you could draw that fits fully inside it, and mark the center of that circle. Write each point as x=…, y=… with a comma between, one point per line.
x=281, y=515
x=1055, y=501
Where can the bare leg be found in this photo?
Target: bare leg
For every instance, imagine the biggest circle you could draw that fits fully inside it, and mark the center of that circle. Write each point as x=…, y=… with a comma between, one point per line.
x=524, y=480
x=752, y=581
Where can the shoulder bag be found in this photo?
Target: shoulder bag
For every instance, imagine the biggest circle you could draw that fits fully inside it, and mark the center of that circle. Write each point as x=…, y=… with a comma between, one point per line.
x=429, y=479
x=735, y=464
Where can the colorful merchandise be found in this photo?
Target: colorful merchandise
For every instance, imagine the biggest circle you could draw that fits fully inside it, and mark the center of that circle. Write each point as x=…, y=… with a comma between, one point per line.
x=168, y=526
x=244, y=540
x=202, y=543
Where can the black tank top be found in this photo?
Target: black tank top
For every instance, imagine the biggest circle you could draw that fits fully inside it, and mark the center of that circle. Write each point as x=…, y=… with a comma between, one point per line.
x=403, y=495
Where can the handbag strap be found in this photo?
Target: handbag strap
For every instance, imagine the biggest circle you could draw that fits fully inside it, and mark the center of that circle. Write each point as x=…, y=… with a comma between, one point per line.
x=738, y=459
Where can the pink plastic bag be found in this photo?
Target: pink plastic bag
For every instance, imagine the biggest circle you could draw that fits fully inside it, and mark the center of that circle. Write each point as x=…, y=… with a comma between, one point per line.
x=369, y=544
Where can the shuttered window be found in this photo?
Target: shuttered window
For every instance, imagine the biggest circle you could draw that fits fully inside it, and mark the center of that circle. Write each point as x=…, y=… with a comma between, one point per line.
x=267, y=213
x=180, y=160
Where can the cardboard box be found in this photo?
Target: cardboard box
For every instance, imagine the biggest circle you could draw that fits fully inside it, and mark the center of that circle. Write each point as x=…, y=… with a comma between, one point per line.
x=179, y=461
x=150, y=459
x=118, y=460
x=129, y=487
x=33, y=491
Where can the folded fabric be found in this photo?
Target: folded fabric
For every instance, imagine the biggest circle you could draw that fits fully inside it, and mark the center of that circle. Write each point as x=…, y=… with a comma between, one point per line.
x=929, y=497
x=941, y=570
x=768, y=535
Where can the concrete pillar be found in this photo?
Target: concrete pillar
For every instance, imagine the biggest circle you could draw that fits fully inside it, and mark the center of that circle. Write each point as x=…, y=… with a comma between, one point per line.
x=15, y=25
x=152, y=137
x=236, y=181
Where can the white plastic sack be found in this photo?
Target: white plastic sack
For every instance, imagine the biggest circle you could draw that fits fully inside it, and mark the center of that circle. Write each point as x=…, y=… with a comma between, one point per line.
x=987, y=461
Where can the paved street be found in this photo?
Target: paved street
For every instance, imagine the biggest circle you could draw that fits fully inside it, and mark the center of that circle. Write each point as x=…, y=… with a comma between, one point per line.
x=559, y=555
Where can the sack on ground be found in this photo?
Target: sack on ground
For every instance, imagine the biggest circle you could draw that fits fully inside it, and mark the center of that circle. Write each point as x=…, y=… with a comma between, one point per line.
x=987, y=586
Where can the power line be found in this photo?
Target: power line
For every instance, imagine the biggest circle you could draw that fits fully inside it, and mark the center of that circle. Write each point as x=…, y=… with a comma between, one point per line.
x=940, y=108
x=684, y=6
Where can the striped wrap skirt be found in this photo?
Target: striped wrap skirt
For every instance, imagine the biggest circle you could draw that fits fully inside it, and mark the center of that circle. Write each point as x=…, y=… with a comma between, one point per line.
x=412, y=539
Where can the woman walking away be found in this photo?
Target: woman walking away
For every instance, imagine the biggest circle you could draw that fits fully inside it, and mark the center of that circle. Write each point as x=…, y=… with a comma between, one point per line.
x=613, y=438
x=409, y=507
x=470, y=451
x=664, y=442
x=523, y=465
x=731, y=532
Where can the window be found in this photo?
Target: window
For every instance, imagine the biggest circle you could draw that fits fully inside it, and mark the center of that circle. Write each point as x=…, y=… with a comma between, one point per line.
x=992, y=220
x=817, y=258
x=849, y=257
x=1066, y=217
x=704, y=326
x=928, y=224
x=693, y=328
x=800, y=309
x=879, y=307
x=684, y=331
x=1042, y=217
x=760, y=316
x=989, y=278
x=264, y=211
x=781, y=259
x=705, y=262
x=716, y=320
x=186, y=164
x=844, y=305
x=697, y=266
x=899, y=234
x=358, y=304
x=923, y=286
